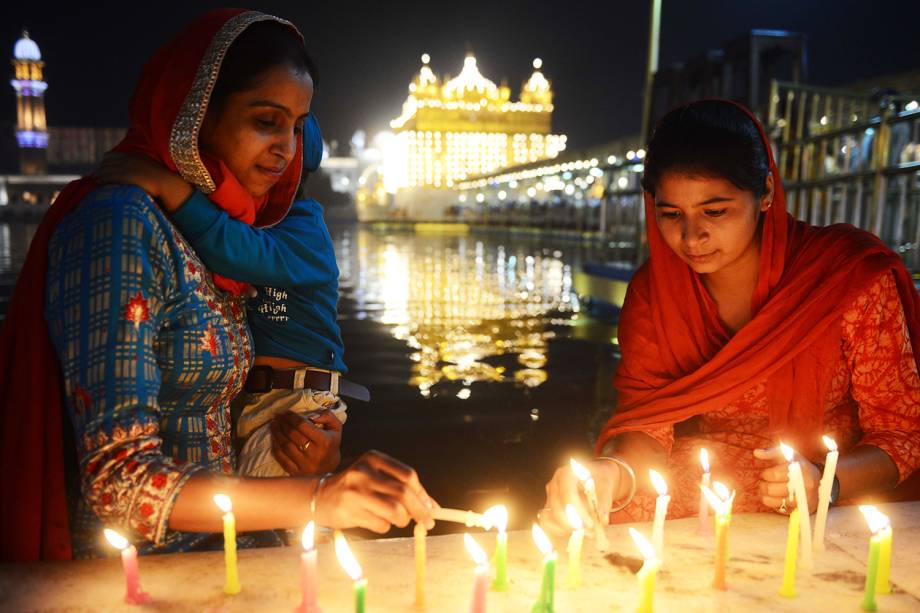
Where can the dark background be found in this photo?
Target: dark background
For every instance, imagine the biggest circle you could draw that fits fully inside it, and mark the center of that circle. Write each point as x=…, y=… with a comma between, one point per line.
x=594, y=52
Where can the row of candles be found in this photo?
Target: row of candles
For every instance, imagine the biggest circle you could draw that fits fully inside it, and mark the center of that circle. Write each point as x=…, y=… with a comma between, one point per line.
x=714, y=495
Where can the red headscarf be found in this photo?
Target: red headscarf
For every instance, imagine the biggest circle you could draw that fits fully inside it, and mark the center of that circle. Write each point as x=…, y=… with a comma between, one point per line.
x=166, y=112
x=680, y=361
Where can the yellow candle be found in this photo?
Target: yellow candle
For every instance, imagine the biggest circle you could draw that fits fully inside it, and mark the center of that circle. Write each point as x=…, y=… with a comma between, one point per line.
x=797, y=485
x=883, y=584
x=575, y=544
x=646, y=575
x=420, y=535
x=599, y=515
x=792, y=547
x=232, y=583
x=722, y=507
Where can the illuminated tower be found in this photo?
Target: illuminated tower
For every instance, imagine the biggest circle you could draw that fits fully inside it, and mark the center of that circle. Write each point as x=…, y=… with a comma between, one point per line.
x=468, y=126
x=31, y=127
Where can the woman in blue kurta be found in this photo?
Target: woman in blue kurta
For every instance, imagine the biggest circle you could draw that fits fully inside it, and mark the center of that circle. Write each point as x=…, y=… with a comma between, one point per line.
x=150, y=346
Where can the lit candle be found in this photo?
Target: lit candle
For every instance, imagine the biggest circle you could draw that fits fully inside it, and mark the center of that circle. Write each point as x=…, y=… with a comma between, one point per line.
x=646, y=575
x=792, y=548
x=308, y=584
x=797, y=484
x=481, y=580
x=824, y=491
x=548, y=586
x=497, y=517
x=420, y=535
x=881, y=528
x=575, y=544
x=587, y=484
x=133, y=592
x=721, y=504
x=352, y=569
x=877, y=524
x=705, y=527
x=661, y=511
x=467, y=518
x=232, y=583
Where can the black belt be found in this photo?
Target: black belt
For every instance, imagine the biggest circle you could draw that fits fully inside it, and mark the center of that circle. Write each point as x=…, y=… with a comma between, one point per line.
x=263, y=378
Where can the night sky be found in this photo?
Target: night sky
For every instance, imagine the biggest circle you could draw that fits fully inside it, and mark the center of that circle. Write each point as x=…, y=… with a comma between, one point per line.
x=593, y=52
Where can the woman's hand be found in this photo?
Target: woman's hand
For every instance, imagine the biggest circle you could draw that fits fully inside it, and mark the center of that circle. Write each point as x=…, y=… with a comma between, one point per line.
x=307, y=444
x=376, y=492
x=774, y=481
x=165, y=186
x=564, y=488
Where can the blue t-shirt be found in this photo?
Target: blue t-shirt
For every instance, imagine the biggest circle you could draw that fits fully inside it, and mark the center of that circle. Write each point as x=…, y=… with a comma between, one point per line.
x=291, y=265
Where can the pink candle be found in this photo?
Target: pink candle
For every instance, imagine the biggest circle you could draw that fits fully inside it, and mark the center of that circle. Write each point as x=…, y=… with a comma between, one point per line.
x=133, y=592
x=482, y=578
x=308, y=587
x=705, y=527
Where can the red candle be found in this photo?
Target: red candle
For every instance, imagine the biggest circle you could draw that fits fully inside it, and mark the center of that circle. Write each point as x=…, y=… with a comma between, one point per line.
x=133, y=592
x=481, y=581
x=308, y=582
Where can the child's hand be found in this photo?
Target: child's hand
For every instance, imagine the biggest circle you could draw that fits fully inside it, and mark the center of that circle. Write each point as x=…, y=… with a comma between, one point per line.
x=165, y=186
x=307, y=446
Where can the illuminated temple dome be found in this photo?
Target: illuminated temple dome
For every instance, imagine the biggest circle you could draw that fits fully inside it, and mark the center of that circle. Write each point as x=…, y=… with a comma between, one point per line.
x=453, y=129
x=26, y=49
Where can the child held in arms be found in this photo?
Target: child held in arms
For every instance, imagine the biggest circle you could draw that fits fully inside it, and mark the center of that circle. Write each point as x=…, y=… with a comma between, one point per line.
x=292, y=414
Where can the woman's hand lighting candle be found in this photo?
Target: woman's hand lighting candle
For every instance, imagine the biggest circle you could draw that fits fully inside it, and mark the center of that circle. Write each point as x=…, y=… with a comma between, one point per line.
x=792, y=549
x=661, y=512
x=497, y=517
x=824, y=491
x=587, y=484
x=481, y=581
x=133, y=592
x=646, y=574
x=352, y=569
x=797, y=483
x=575, y=545
x=420, y=534
x=722, y=507
x=308, y=583
x=705, y=527
x=232, y=583
x=548, y=586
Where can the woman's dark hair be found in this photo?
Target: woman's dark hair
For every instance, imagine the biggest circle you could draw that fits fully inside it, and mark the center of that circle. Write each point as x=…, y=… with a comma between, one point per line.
x=259, y=48
x=710, y=138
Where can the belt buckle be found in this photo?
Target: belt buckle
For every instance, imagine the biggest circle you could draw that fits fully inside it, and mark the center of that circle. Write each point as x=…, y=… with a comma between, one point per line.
x=334, y=383
x=300, y=376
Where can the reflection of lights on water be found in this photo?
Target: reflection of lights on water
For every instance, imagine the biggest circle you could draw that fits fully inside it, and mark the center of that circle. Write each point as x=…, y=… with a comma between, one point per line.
x=530, y=377
x=464, y=393
x=535, y=414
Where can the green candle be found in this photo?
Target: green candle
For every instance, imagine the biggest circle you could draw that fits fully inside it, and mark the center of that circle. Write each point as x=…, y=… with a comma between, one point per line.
x=360, y=591
x=877, y=523
x=351, y=566
x=548, y=587
x=500, y=583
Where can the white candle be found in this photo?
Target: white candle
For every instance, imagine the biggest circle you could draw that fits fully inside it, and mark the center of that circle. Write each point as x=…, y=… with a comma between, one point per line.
x=705, y=527
x=824, y=491
x=797, y=485
x=467, y=518
x=661, y=511
x=587, y=484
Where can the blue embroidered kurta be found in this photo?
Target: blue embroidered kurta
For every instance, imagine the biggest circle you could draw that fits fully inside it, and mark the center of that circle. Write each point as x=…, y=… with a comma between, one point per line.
x=151, y=354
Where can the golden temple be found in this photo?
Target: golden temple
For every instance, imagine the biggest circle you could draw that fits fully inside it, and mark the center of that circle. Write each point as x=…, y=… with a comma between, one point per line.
x=452, y=129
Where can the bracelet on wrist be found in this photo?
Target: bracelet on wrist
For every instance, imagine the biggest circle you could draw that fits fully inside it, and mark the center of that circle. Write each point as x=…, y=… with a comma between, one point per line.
x=624, y=465
x=319, y=485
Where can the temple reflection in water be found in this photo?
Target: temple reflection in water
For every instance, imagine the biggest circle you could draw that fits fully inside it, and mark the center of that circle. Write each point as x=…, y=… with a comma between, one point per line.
x=459, y=302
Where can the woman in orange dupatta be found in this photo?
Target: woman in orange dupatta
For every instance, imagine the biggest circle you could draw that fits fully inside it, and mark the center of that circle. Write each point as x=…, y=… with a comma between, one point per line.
x=746, y=327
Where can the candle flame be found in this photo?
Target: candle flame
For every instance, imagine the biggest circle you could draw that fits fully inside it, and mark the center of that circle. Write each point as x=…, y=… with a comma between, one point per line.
x=542, y=541
x=721, y=507
x=307, y=538
x=346, y=557
x=223, y=501
x=648, y=552
x=830, y=443
x=658, y=482
x=496, y=517
x=788, y=452
x=117, y=541
x=479, y=556
x=720, y=489
x=574, y=518
x=581, y=473
x=875, y=518
x=704, y=459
